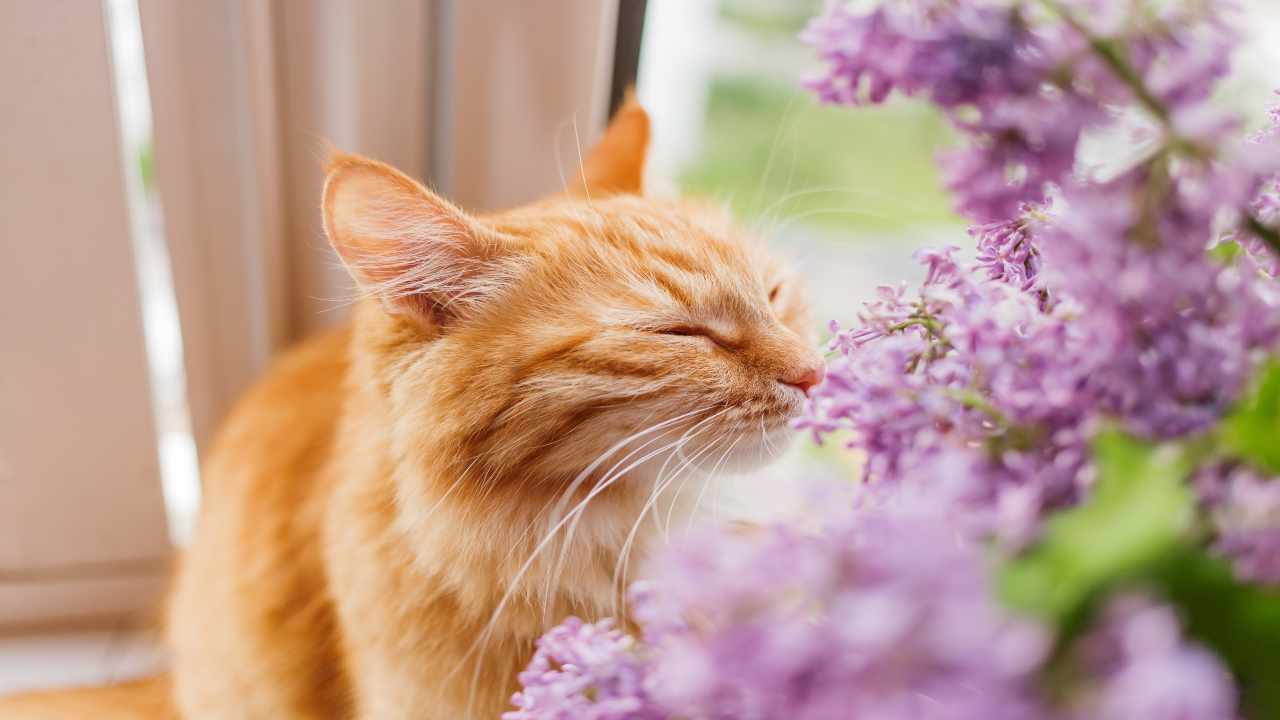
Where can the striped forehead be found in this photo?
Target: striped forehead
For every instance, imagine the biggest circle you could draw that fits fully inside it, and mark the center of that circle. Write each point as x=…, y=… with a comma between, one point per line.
x=643, y=255
x=688, y=267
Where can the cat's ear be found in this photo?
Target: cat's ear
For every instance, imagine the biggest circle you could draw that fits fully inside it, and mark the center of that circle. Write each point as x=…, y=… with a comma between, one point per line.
x=616, y=164
x=408, y=246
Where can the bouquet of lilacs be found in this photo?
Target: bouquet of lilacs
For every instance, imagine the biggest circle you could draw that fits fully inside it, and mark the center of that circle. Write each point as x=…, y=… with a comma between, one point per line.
x=1071, y=498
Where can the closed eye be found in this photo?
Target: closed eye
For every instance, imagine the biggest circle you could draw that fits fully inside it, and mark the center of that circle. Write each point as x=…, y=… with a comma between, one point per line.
x=685, y=331
x=773, y=293
x=695, y=331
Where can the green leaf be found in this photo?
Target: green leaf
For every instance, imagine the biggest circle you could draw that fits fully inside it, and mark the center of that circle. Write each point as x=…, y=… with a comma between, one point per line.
x=1140, y=510
x=1252, y=430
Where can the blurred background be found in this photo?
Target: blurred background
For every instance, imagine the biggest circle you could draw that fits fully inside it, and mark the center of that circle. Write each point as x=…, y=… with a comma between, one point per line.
x=160, y=226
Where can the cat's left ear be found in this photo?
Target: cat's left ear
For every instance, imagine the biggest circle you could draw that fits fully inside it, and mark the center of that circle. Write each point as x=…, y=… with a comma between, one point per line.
x=417, y=252
x=616, y=164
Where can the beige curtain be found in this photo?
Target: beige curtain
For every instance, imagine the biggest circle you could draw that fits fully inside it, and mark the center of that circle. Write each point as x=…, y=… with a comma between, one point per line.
x=487, y=100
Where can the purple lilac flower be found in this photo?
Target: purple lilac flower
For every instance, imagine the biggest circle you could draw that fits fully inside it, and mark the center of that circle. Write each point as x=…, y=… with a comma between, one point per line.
x=1244, y=508
x=953, y=53
x=978, y=372
x=881, y=614
x=886, y=611
x=1150, y=332
x=1020, y=147
x=584, y=671
x=1179, y=332
x=1024, y=85
x=1266, y=208
x=1008, y=249
x=981, y=62
x=1266, y=205
x=1144, y=327
x=1141, y=668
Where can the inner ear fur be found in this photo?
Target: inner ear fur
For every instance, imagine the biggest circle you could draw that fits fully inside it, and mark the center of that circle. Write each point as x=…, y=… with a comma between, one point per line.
x=413, y=249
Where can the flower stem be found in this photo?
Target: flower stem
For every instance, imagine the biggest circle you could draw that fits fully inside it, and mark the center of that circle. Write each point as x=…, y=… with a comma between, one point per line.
x=1114, y=58
x=973, y=399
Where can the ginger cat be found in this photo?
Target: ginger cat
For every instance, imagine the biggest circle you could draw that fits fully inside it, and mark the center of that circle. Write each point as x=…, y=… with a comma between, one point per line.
x=374, y=538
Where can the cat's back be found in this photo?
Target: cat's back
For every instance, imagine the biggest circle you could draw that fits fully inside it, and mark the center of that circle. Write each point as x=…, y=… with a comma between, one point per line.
x=285, y=423
x=251, y=590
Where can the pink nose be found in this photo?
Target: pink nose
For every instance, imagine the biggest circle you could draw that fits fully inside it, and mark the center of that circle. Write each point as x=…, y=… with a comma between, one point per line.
x=805, y=375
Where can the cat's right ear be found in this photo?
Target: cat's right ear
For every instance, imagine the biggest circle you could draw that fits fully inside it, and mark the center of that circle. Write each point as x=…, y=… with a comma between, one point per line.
x=417, y=252
x=616, y=163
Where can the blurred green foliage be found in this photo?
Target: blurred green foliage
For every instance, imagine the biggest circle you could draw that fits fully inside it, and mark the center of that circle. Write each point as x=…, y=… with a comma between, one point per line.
x=775, y=17
x=778, y=155
x=1252, y=431
x=1140, y=508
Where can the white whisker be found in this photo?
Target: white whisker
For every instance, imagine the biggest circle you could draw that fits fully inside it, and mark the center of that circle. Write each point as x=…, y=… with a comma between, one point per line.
x=714, y=469
x=577, y=513
x=620, y=566
x=483, y=639
x=679, y=443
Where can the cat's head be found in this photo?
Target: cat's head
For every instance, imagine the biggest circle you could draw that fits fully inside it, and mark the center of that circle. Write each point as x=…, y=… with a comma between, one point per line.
x=534, y=340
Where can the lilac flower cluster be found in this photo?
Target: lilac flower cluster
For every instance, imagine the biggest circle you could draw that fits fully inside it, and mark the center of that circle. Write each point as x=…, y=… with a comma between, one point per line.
x=984, y=64
x=1244, y=508
x=1265, y=207
x=1008, y=249
x=1178, y=331
x=885, y=613
x=1099, y=304
x=880, y=614
x=978, y=373
x=1139, y=667
x=1019, y=366
x=1025, y=81
x=584, y=671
